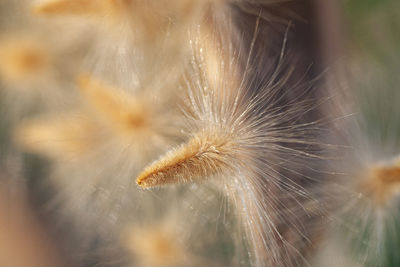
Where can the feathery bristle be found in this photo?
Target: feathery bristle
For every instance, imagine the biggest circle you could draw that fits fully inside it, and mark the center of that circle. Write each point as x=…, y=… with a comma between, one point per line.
x=205, y=155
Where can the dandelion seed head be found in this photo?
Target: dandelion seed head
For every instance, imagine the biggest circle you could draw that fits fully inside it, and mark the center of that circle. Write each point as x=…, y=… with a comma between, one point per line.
x=368, y=187
x=251, y=138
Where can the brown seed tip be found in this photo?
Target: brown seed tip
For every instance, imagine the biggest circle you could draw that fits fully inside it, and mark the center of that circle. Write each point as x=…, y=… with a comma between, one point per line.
x=203, y=156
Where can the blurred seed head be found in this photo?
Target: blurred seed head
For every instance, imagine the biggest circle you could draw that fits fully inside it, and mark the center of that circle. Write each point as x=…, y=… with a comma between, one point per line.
x=382, y=183
x=23, y=59
x=155, y=246
x=123, y=111
x=60, y=137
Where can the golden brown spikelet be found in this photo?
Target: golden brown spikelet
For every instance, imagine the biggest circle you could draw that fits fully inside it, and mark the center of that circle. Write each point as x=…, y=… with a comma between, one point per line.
x=205, y=155
x=62, y=137
x=382, y=182
x=22, y=59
